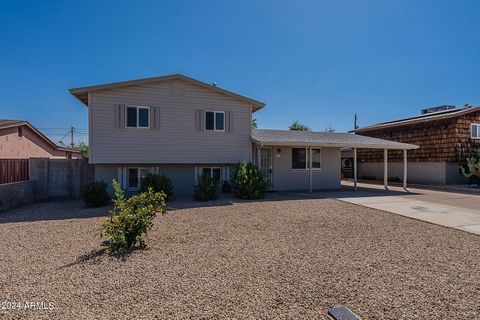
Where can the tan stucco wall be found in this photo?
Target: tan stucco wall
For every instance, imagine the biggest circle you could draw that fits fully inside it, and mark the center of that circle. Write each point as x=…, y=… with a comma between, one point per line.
x=27, y=146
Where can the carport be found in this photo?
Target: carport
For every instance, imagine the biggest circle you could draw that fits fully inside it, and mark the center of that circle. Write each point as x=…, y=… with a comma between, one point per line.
x=263, y=138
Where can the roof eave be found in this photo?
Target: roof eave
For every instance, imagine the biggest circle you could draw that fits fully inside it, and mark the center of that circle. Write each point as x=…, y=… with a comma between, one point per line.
x=81, y=93
x=416, y=121
x=335, y=145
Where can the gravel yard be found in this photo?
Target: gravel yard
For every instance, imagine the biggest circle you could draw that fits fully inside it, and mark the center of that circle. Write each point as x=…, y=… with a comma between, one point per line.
x=267, y=259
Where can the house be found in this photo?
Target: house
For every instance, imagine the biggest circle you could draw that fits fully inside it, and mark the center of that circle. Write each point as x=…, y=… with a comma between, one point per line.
x=445, y=135
x=19, y=139
x=182, y=127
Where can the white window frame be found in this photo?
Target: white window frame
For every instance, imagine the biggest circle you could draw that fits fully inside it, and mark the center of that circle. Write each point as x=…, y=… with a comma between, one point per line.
x=211, y=171
x=139, y=178
x=307, y=160
x=478, y=130
x=214, y=121
x=138, y=117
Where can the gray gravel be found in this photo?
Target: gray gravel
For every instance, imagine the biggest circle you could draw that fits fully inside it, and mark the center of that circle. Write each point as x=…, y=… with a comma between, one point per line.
x=258, y=260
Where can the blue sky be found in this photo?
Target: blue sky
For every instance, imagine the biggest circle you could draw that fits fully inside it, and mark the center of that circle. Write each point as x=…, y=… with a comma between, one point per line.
x=318, y=62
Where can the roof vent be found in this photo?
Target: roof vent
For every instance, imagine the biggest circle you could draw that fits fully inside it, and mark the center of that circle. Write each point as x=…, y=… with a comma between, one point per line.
x=214, y=84
x=444, y=107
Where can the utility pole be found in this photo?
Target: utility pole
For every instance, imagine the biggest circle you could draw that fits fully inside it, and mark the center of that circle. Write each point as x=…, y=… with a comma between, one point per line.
x=355, y=126
x=72, y=129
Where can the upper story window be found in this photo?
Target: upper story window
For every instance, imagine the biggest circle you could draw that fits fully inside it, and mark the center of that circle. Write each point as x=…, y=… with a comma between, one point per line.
x=214, y=121
x=475, y=130
x=137, y=117
x=301, y=158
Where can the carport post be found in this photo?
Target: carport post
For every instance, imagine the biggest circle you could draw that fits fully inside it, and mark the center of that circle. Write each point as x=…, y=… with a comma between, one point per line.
x=385, y=168
x=310, y=171
x=404, y=168
x=355, y=168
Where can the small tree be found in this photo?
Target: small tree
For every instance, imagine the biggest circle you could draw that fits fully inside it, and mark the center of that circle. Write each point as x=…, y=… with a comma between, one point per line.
x=131, y=218
x=254, y=123
x=330, y=129
x=297, y=126
x=82, y=147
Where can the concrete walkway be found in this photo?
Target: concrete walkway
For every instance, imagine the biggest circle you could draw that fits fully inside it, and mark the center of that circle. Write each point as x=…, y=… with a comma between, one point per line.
x=452, y=209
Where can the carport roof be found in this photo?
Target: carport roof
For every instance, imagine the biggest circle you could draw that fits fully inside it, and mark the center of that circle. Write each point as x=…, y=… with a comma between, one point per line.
x=324, y=139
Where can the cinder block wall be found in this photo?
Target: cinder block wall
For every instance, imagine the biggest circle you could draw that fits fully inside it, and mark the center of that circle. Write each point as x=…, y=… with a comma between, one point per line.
x=16, y=194
x=59, y=178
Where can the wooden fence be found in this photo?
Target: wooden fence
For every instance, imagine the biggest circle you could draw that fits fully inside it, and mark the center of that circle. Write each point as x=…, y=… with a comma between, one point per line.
x=13, y=170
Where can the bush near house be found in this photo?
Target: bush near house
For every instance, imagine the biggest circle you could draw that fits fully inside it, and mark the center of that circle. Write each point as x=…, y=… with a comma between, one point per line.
x=131, y=218
x=248, y=181
x=95, y=194
x=206, y=188
x=226, y=187
x=159, y=183
x=471, y=169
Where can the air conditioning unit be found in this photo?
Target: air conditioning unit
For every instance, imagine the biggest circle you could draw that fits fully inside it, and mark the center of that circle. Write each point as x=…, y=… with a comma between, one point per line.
x=347, y=163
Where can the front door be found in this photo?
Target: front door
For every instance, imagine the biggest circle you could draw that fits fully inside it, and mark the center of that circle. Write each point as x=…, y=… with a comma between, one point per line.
x=266, y=163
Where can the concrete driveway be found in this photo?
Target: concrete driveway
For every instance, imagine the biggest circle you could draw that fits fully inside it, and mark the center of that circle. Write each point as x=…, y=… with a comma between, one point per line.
x=459, y=210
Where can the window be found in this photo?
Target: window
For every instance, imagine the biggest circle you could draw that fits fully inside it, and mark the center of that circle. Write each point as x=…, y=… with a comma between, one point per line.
x=214, y=121
x=316, y=163
x=138, y=117
x=135, y=175
x=213, y=172
x=301, y=158
x=475, y=131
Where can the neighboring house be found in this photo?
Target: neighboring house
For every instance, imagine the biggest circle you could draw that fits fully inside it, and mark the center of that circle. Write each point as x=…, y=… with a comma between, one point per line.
x=183, y=127
x=445, y=136
x=19, y=139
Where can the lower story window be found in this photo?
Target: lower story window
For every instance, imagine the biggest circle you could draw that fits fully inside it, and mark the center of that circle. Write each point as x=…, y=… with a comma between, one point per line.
x=301, y=158
x=213, y=172
x=135, y=175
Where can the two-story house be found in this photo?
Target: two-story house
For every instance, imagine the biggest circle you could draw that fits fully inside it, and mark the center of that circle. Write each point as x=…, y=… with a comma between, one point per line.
x=182, y=127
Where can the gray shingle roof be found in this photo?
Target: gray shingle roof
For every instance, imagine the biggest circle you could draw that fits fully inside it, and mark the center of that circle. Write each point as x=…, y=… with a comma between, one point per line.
x=421, y=118
x=324, y=139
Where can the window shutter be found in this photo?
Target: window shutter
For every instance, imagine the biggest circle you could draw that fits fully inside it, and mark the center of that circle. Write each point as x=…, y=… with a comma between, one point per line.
x=119, y=116
x=157, y=118
x=199, y=120
x=154, y=118
x=228, y=121
x=195, y=177
x=122, y=177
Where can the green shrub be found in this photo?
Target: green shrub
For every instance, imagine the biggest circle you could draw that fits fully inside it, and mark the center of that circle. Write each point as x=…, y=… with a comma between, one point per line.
x=226, y=187
x=248, y=181
x=206, y=188
x=95, y=194
x=159, y=183
x=131, y=218
x=471, y=167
